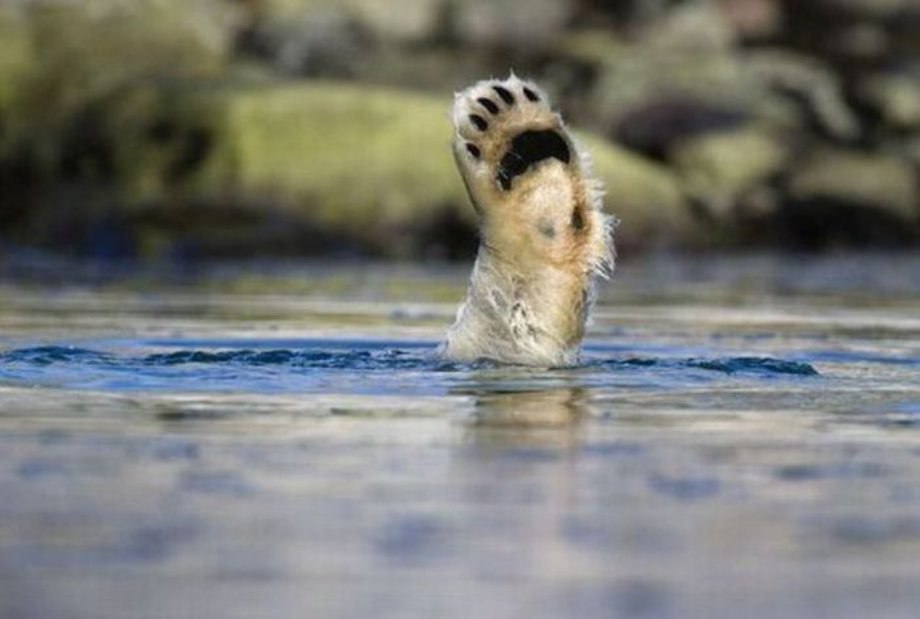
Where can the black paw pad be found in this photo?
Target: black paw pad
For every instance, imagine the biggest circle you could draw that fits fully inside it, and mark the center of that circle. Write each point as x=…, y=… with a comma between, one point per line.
x=473, y=150
x=488, y=104
x=505, y=94
x=479, y=121
x=527, y=149
x=531, y=95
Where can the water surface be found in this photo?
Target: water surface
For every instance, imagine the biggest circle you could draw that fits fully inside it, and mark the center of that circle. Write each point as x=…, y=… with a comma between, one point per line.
x=740, y=439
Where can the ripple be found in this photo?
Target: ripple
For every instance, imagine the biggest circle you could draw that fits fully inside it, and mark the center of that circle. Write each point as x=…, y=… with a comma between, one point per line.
x=335, y=367
x=724, y=365
x=46, y=355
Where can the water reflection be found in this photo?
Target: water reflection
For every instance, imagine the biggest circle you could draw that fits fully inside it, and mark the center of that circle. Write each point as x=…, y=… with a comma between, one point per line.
x=527, y=416
x=547, y=408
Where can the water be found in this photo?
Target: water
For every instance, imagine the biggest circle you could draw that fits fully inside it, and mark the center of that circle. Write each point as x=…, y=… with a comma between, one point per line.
x=741, y=439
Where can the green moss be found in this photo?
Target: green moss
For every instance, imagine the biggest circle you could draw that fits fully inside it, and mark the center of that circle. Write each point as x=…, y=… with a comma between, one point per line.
x=358, y=152
x=16, y=59
x=15, y=52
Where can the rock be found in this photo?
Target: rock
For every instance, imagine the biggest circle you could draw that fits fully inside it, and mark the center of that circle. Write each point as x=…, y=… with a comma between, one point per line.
x=910, y=147
x=868, y=10
x=90, y=50
x=854, y=34
x=310, y=39
x=640, y=90
x=644, y=196
x=640, y=93
x=690, y=27
x=627, y=77
x=753, y=20
x=370, y=166
x=409, y=21
x=654, y=128
x=362, y=167
x=522, y=25
x=17, y=57
x=894, y=98
x=405, y=21
x=807, y=82
x=356, y=39
x=720, y=170
x=877, y=182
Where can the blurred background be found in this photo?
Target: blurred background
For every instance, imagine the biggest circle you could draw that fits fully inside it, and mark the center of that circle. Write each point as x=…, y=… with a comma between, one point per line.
x=169, y=131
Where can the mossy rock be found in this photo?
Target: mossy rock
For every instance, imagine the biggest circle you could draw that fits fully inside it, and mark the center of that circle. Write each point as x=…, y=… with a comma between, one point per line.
x=781, y=76
x=879, y=182
x=369, y=164
x=719, y=169
x=644, y=196
x=629, y=75
x=17, y=57
x=344, y=156
x=85, y=51
x=520, y=25
x=398, y=20
x=894, y=98
x=783, y=89
x=363, y=168
x=16, y=52
x=504, y=23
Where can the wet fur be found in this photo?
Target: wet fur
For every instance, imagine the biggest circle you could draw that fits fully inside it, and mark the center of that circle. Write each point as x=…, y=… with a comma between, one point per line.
x=544, y=239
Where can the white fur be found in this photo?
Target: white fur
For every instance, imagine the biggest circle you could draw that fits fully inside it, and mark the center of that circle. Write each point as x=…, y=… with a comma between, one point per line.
x=534, y=278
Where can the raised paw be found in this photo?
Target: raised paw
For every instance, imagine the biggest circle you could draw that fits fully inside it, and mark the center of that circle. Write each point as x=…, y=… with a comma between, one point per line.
x=543, y=235
x=503, y=129
x=524, y=174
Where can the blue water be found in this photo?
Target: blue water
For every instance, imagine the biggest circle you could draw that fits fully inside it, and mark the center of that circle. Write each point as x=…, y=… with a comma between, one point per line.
x=741, y=438
x=313, y=366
